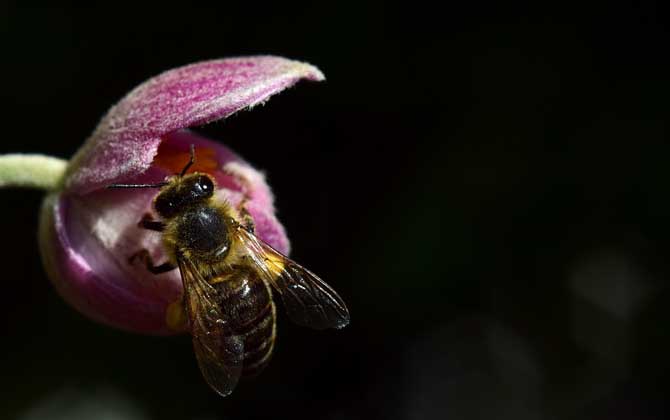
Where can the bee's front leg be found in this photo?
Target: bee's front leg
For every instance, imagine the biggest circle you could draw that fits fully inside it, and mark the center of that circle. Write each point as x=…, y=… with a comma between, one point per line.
x=144, y=256
x=247, y=220
x=149, y=223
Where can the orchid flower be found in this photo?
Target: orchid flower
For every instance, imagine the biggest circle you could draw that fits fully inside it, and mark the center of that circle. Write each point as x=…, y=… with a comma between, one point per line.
x=87, y=232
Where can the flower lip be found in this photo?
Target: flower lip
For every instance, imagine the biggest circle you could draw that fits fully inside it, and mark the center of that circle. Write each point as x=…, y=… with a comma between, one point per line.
x=126, y=141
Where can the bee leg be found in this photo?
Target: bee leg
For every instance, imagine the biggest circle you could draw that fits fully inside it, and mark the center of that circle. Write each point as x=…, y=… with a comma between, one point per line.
x=145, y=257
x=247, y=220
x=148, y=223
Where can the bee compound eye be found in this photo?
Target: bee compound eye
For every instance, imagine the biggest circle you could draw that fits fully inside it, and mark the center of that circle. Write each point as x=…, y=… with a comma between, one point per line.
x=206, y=185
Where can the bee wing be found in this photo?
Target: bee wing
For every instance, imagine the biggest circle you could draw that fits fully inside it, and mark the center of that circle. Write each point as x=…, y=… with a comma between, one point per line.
x=218, y=350
x=308, y=300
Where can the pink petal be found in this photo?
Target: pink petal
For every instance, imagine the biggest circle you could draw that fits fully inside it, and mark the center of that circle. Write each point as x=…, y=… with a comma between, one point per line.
x=91, y=281
x=86, y=239
x=127, y=139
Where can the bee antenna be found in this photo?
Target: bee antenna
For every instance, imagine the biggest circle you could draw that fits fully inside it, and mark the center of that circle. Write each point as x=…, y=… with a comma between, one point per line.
x=191, y=161
x=157, y=185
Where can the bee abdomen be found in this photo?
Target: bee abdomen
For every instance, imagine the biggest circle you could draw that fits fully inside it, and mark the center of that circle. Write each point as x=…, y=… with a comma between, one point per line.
x=252, y=312
x=259, y=343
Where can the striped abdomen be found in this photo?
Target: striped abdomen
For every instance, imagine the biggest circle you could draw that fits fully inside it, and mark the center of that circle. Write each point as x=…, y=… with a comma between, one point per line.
x=248, y=301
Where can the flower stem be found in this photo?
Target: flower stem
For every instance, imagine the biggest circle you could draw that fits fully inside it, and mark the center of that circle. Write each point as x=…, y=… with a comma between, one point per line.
x=31, y=171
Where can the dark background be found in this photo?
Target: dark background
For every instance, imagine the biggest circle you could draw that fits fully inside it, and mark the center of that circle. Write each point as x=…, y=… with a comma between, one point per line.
x=486, y=186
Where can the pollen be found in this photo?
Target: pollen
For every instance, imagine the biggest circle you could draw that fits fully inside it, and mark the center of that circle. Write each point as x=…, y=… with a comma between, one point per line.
x=175, y=316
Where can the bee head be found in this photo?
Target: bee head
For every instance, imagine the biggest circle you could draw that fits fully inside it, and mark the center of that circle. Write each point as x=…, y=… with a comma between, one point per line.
x=182, y=192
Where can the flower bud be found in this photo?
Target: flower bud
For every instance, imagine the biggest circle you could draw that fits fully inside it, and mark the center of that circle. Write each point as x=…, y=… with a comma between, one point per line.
x=88, y=232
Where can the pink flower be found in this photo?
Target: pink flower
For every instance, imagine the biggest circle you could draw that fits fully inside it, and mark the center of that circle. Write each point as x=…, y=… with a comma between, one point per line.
x=88, y=232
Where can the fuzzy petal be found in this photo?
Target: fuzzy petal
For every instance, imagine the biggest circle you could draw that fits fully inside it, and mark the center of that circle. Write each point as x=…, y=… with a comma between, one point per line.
x=94, y=286
x=86, y=240
x=126, y=140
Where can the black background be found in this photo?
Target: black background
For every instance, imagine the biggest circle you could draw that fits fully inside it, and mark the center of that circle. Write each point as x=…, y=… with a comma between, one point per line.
x=486, y=185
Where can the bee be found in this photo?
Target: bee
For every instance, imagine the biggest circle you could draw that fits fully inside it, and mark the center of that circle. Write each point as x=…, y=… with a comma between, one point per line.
x=229, y=277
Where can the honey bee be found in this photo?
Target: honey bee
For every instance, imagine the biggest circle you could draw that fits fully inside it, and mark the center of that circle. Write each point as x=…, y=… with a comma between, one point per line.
x=228, y=277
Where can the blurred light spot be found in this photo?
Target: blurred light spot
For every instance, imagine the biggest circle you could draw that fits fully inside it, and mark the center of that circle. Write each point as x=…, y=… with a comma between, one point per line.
x=609, y=291
x=611, y=281
x=81, y=404
x=472, y=369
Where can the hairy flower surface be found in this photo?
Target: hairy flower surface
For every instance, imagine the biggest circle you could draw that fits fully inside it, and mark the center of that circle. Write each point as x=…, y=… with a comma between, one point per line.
x=88, y=232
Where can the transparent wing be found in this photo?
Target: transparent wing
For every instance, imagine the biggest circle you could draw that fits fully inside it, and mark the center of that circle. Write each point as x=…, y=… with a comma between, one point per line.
x=218, y=350
x=308, y=300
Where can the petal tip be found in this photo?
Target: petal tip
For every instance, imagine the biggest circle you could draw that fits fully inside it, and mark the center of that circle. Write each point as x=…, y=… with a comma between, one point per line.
x=310, y=72
x=124, y=143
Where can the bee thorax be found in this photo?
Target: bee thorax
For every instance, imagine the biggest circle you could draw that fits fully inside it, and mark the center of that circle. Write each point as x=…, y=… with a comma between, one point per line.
x=203, y=231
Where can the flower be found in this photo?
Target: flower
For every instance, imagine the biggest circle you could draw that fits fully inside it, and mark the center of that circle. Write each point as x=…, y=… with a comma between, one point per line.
x=88, y=232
